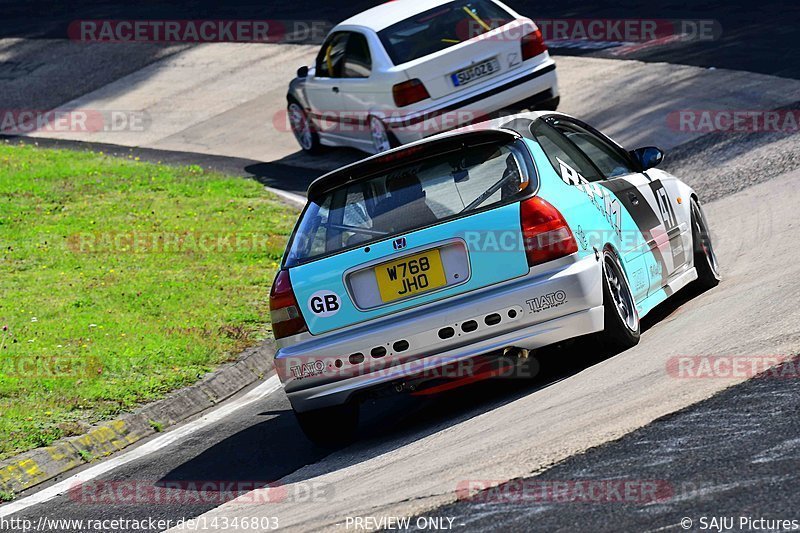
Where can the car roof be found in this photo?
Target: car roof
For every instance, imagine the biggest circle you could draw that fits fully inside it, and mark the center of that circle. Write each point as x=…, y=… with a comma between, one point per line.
x=379, y=162
x=392, y=12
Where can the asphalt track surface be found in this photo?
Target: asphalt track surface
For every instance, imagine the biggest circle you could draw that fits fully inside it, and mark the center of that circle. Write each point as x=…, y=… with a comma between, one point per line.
x=733, y=454
x=195, y=115
x=752, y=313
x=756, y=36
x=731, y=457
x=413, y=453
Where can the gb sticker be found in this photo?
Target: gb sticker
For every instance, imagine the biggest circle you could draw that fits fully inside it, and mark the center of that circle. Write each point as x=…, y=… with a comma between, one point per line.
x=324, y=303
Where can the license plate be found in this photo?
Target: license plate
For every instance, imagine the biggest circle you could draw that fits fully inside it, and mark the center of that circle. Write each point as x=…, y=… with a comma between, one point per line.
x=475, y=72
x=410, y=275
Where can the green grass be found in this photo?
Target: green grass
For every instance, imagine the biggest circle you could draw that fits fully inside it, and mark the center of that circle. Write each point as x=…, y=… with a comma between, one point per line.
x=94, y=327
x=85, y=456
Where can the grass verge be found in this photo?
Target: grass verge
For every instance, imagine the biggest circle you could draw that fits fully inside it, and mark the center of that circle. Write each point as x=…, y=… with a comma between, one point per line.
x=121, y=281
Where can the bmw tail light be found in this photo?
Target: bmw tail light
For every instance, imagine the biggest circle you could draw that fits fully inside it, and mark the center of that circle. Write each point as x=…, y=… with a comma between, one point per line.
x=545, y=232
x=409, y=92
x=533, y=45
x=286, y=317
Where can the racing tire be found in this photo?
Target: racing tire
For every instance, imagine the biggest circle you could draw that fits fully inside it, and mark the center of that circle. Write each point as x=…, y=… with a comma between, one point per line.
x=622, y=327
x=382, y=138
x=549, y=105
x=330, y=427
x=705, y=260
x=302, y=128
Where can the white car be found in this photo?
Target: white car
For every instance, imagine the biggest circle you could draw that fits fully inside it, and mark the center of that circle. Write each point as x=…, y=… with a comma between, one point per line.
x=406, y=70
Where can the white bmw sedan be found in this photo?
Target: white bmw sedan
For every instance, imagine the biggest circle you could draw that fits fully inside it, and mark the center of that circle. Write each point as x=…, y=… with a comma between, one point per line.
x=407, y=69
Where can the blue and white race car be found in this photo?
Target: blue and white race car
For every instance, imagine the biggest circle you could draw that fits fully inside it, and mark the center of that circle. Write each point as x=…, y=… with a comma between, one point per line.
x=503, y=237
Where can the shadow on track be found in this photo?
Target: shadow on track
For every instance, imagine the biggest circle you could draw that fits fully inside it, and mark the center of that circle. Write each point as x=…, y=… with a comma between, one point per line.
x=272, y=449
x=295, y=172
x=265, y=451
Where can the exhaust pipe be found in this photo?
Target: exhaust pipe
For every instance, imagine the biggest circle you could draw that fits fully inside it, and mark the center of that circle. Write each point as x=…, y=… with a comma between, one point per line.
x=404, y=387
x=513, y=351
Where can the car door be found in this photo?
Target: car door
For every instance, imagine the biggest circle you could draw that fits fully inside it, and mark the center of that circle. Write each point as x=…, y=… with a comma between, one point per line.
x=645, y=199
x=357, y=86
x=607, y=220
x=323, y=89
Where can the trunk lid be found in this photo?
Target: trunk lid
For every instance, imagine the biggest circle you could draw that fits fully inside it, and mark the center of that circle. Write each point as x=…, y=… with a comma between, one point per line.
x=434, y=263
x=472, y=64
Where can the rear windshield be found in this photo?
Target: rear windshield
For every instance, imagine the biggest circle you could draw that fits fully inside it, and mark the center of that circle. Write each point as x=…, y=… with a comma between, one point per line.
x=411, y=196
x=440, y=28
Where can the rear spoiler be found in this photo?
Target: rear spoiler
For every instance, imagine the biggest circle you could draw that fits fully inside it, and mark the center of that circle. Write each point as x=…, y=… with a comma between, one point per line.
x=384, y=162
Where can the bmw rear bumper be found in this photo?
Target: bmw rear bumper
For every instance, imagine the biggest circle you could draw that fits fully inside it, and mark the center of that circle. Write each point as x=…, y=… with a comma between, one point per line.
x=537, y=85
x=552, y=303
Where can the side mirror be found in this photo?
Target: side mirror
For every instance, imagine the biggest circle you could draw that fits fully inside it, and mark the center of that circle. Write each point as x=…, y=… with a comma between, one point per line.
x=302, y=72
x=648, y=157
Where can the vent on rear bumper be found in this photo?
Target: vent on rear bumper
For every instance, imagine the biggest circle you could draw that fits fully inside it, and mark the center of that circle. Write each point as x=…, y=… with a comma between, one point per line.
x=493, y=319
x=446, y=333
x=465, y=329
x=400, y=346
x=469, y=326
x=378, y=351
x=472, y=325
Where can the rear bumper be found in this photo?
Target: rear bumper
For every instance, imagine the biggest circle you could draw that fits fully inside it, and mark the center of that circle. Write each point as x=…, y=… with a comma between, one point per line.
x=553, y=302
x=539, y=84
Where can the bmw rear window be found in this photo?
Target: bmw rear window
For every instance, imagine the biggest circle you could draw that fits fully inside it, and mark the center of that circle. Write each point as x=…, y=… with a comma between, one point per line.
x=440, y=28
x=411, y=195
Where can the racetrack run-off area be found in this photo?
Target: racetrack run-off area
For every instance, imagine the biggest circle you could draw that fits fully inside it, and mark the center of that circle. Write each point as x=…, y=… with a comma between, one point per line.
x=752, y=313
x=424, y=451
x=248, y=119
x=222, y=106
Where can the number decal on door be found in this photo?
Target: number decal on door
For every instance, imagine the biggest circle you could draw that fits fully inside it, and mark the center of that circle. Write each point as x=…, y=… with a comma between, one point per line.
x=664, y=205
x=667, y=214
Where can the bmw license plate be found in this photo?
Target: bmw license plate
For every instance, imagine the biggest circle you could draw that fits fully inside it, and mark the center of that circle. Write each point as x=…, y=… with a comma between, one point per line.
x=410, y=275
x=475, y=72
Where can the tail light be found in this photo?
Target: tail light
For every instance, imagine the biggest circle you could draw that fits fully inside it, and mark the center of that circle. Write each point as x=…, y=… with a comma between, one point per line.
x=533, y=45
x=545, y=232
x=409, y=92
x=286, y=317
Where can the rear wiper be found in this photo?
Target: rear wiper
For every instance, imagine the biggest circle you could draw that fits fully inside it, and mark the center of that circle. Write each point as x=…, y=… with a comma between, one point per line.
x=356, y=229
x=489, y=192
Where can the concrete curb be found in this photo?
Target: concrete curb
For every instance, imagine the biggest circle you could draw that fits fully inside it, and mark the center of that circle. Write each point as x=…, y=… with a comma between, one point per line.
x=37, y=466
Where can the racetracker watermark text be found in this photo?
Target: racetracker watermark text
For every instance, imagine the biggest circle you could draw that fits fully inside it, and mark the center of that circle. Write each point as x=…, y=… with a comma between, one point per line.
x=26, y=121
x=39, y=367
x=348, y=121
x=733, y=366
x=142, y=242
x=785, y=121
x=631, y=30
x=624, y=491
x=200, y=492
x=199, y=31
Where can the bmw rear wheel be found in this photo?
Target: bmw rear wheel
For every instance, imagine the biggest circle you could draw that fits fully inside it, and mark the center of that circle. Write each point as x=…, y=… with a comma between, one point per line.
x=381, y=139
x=303, y=130
x=622, y=328
x=705, y=260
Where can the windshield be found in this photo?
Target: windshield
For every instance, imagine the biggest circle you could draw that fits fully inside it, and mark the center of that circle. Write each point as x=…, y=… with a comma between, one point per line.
x=440, y=28
x=411, y=196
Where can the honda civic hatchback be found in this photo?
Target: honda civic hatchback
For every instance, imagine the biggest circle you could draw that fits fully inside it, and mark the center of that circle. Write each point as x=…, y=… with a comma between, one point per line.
x=406, y=70
x=503, y=237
